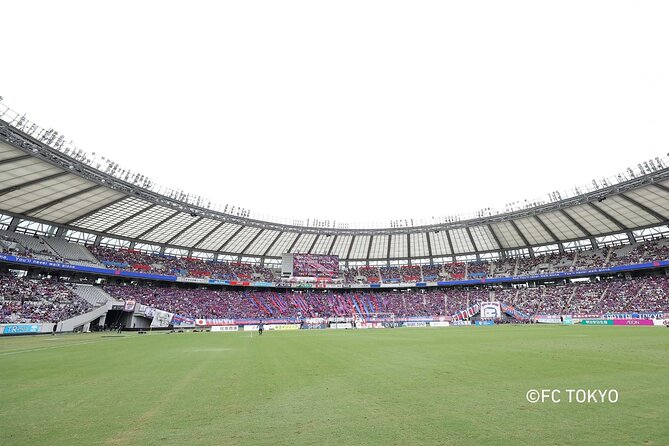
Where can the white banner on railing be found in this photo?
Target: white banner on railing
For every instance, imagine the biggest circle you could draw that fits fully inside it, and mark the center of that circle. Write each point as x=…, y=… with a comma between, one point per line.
x=224, y=328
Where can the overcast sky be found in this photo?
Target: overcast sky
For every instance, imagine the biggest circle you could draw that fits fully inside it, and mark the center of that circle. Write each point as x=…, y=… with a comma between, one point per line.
x=352, y=111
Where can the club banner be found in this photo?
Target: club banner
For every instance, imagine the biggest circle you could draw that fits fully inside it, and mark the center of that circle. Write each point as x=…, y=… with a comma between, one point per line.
x=129, y=306
x=161, y=319
x=227, y=328
x=491, y=310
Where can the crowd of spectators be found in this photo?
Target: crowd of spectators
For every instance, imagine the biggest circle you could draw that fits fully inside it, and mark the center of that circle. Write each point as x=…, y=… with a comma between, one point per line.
x=24, y=300
x=127, y=259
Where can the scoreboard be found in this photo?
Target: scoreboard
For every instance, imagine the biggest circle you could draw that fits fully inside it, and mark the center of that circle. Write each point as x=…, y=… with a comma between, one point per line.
x=309, y=265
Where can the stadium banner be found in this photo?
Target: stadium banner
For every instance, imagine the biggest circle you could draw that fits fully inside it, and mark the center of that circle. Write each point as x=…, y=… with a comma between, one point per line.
x=597, y=322
x=547, y=319
x=183, y=321
x=212, y=322
x=415, y=324
x=85, y=269
x=439, y=324
x=12, y=329
x=341, y=325
x=224, y=328
x=491, y=309
x=250, y=328
x=192, y=279
x=661, y=322
x=568, y=320
x=161, y=319
x=369, y=325
x=486, y=322
x=312, y=326
x=282, y=327
x=129, y=306
x=149, y=312
x=632, y=322
x=456, y=323
x=262, y=284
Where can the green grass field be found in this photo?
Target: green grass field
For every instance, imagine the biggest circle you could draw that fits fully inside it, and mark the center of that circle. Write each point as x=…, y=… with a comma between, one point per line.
x=457, y=385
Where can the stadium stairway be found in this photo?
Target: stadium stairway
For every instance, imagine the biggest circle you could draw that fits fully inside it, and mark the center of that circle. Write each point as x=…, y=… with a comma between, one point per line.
x=95, y=296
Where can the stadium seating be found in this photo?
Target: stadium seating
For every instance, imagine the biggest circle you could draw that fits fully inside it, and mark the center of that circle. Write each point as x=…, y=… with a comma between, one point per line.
x=30, y=300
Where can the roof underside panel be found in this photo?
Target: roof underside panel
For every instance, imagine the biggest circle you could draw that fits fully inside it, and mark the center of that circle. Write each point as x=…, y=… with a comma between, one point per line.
x=418, y=244
x=7, y=151
x=196, y=233
x=260, y=245
x=533, y=231
x=592, y=220
x=483, y=238
x=461, y=242
x=561, y=226
x=653, y=198
x=170, y=228
x=78, y=205
x=439, y=243
x=214, y=240
x=108, y=216
x=32, y=196
x=303, y=243
x=322, y=244
x=241, y=240
x=341, y=245
x=399, y=246
x=627, y=213
x=22, y=171
x=282, y=245
x=142, y=222
x=379, y=247
x=508, y=236
x=360, y=247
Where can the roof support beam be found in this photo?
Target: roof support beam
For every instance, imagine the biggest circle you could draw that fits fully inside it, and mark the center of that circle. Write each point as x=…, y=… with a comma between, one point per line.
x=660, y=217
x=272, y=244
x=450, y=244
x=129, y=218
x=314, y=243
x=32, y=183
x=248, y=245
x=16, y=158
x=334, y=240
x=59, y=200
x=494, y=236
x=208, y=234
x=546, y=228
x=520, y=233
x=369, y=247
x=292, y=245
x=608, y=216
x=164, y=220
x=230, y=238
x=350, y=247
x=661, y=186
x=89, y=213
x=576, y=223
x=180, y=233
x=471, y=239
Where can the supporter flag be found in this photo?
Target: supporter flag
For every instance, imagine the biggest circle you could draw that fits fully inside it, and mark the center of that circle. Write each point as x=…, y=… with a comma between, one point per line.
x=161, y=319
x=129, y=306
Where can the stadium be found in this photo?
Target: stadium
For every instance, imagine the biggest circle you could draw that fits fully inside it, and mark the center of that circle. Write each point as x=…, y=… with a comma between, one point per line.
x=90, y=249
x=447, y=223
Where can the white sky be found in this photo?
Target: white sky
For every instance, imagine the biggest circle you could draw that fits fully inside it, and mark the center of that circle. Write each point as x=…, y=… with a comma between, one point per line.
x=353, y=111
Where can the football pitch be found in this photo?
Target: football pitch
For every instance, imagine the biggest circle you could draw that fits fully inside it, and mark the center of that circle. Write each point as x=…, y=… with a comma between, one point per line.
x=455, y=385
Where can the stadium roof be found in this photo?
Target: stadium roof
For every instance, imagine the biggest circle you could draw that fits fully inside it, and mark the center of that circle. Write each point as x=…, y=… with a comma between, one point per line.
x=42, y=184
